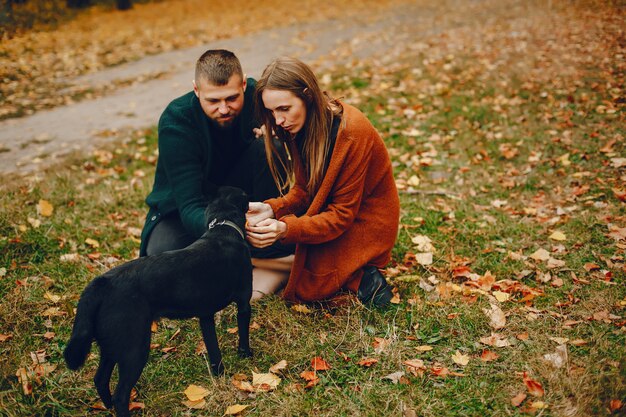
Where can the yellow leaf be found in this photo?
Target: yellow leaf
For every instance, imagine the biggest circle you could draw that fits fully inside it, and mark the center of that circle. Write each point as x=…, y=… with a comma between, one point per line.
x=541, y=255
x=301, y=308
x=93, y=243
x=267, y=381
x=196, y=405
x=460, y=359
x=501, y=296
x=279, y=366
x=559, y=236
x=235, y=409
x=414, y=181
x=52, y=297
x=44, y=208
x=196, y=392
x=424, y=348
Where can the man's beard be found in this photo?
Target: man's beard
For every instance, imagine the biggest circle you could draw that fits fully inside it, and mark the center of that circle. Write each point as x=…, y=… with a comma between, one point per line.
x=224, y=124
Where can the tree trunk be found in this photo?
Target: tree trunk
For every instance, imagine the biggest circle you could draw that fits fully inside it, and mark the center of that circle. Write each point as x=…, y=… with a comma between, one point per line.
x=124, y=4
x=78, y=4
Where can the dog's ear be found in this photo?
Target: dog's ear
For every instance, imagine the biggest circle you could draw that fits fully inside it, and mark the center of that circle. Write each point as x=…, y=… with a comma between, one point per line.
x=235, y=196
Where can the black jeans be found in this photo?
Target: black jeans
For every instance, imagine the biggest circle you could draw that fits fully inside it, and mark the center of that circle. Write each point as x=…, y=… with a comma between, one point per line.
x=252, y=175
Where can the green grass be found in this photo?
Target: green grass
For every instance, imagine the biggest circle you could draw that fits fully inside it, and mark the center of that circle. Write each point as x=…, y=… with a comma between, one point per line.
x=100, y=197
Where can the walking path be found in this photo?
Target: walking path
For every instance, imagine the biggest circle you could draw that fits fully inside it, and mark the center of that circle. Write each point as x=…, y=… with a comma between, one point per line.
x=37, y=141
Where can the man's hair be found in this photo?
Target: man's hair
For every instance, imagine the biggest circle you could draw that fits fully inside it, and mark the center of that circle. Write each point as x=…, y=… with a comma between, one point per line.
x=217, y=66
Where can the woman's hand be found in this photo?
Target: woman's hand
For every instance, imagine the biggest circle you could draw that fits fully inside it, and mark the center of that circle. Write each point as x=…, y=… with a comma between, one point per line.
x=257, y=212
x=266, y=232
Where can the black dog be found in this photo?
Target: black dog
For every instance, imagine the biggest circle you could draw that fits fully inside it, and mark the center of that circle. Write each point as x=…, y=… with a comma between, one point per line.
x=118, y=307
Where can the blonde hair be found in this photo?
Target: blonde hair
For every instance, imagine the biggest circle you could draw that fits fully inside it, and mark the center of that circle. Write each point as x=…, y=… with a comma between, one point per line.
x=293, y=75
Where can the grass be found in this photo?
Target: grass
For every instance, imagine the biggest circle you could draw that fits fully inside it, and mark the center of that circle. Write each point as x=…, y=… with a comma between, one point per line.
x=487, y=148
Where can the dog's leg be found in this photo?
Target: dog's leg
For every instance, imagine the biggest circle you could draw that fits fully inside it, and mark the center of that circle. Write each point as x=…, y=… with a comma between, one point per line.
x=131, y=364
x=103, y=378
x=244, y=312
x=207, y=324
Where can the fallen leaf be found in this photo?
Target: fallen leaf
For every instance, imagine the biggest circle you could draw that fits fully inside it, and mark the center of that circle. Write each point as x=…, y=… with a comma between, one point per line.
x=558, y=236
x=488, y=356
x=394, y=377
x=558, y=358
x=501, y=296
x=424, y=259
x=278, y=367
x=589, y=266
x=319, y=364
x=460, y=359
x=560, y=340
x=195, y=405
x=615, y=405
x=424, y=348
x=5, y=337
x=52, y=297
x=301, y=308
x=310, y=377
x=133, y=405
x=265, y=382
x=495, y=340
x=367, y=362
x=196, y=392
x=92, y=242
x=497, y=319
x=233, y=410
x=518, y=399
x=69, y=257
x=22, y=377
x=380, y=344
x=534, y=388
x=44, y=208
x=240, y=381
x=540, y=255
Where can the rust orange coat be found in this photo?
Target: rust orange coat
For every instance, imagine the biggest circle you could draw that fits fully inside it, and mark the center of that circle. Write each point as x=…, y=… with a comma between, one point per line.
x=351, y=222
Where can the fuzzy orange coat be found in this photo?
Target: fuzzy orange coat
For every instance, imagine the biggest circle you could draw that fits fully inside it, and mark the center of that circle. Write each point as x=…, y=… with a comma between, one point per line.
x=351, y=222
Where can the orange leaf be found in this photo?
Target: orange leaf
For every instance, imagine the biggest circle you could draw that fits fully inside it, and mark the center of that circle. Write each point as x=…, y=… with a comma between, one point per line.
x=518, y=399
x=136, y=406
x=534, y=387
x=615, y=405
x=319, y=364
x=308, y=375
x=488, y=356
x=367, y=362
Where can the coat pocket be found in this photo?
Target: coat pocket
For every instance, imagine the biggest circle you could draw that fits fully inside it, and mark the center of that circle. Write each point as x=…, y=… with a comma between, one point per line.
x=314, y=286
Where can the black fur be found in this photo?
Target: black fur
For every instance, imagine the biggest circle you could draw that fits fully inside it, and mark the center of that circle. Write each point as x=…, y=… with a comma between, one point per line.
x=117, y=308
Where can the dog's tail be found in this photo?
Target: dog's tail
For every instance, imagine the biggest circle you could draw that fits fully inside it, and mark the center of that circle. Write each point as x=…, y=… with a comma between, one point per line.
x=79, y=345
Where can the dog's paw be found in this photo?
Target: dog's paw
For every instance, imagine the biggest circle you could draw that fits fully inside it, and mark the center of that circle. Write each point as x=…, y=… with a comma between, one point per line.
x=244, y=353
x=217, y=369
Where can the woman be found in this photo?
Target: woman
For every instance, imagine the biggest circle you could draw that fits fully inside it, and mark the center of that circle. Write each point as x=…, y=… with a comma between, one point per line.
x=342, y=208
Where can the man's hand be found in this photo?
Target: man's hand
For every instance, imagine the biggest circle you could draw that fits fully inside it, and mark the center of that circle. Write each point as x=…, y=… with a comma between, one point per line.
x=266, y=232
x=257, y=212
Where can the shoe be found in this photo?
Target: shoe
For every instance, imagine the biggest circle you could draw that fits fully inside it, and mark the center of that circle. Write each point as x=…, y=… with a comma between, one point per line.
x=374, y=288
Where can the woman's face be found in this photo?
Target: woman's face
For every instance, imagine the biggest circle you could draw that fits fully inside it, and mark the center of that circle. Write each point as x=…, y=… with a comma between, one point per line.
x=288, y=110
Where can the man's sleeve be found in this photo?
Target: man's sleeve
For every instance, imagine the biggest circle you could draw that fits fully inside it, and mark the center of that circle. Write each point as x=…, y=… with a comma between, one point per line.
x=182, y=156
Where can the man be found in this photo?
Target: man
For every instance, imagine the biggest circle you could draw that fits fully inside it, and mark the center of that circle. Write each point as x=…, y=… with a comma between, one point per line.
x=206, y=140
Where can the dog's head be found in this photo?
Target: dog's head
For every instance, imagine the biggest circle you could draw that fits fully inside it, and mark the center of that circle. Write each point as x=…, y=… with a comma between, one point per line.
x=230, y=203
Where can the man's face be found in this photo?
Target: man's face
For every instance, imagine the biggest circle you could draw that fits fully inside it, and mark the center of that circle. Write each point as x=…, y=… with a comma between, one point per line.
x=221, y=103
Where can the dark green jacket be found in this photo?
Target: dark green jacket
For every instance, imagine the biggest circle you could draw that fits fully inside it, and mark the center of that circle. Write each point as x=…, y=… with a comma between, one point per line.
x=181, y=181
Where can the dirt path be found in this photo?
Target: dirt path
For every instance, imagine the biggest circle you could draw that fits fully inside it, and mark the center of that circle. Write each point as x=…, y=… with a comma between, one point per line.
x=37, y=141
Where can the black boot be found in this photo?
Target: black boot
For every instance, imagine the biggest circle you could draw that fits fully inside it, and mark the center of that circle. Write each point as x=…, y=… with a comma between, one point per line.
x=374, y=288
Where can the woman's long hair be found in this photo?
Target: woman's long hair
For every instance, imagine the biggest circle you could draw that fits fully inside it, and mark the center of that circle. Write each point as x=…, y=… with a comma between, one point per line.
x=290, y=74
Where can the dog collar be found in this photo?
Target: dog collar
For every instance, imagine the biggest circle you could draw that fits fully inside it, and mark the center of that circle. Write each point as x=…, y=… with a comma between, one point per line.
x=214, y=223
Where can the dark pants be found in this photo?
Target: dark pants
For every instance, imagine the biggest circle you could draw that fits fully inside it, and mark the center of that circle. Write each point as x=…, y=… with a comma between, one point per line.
x=252, y=175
